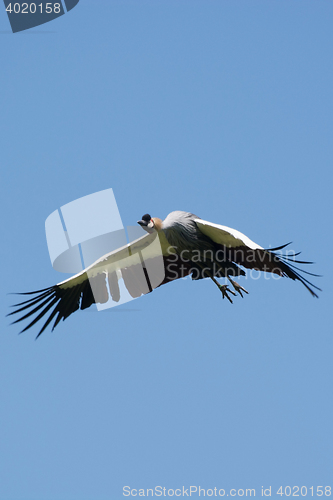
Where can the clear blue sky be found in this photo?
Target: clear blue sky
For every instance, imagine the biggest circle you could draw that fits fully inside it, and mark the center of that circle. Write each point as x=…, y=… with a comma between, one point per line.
x=221, y=108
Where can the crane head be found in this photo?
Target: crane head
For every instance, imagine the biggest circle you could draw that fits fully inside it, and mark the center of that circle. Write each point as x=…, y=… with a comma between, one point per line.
x=150, y=224
x=147, y=223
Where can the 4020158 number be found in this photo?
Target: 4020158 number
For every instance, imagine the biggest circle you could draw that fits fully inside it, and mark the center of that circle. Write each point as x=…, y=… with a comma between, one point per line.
x=32, y=8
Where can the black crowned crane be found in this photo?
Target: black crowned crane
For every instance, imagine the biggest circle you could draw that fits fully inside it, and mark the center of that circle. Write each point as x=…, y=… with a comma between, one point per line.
x=187, y=245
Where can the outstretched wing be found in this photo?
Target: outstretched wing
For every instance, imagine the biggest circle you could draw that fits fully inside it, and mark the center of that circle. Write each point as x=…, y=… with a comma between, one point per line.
x=145, y=264
x=240, y=249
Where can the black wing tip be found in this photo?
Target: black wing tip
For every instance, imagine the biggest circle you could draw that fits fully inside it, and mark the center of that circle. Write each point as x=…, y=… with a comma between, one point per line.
x=39, y=304
x=293, y=271
x=316, y=296
x=277, y=248
x=53, y=302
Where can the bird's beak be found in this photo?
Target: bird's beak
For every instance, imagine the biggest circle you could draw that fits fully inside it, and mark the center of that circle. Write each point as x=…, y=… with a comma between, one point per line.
x=143, y=223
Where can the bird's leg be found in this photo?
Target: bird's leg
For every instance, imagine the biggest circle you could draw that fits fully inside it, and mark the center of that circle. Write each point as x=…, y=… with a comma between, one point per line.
x=224, y=289
x=237, y=287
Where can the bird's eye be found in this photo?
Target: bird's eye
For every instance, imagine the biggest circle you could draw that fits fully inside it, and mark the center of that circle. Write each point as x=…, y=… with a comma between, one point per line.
x=146, y=217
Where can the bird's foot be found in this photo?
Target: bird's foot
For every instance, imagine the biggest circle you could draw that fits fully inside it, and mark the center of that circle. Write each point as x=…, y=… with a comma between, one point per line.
x=225, y=290
x=237, y=287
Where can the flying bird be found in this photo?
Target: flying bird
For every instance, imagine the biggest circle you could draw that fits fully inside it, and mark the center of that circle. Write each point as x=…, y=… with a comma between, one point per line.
x=181, y=245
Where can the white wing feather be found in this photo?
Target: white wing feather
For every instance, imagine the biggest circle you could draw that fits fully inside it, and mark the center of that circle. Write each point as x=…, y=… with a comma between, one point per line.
x=226, y=236
x=149, y=246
